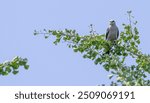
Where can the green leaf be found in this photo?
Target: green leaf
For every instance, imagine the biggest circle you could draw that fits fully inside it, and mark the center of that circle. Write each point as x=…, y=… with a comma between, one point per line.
x=78, y=38
x=4, y=73
x=106, y=66
x=136, y=30
x=132, y=43
x=129, y=12
x=136, y=37
x=110, y=76
x=35, y=32
x=75, y=49
x=46, y=37
x=8, y=69
x=26, y=66
x=15, y=72
x=138, y=41
x=124, y=54
x=132, y=67
x=15, y=66
x=97, y=61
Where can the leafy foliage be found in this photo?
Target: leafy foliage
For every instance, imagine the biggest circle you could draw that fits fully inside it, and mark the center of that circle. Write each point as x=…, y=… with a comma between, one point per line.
x=94, y=47
x=13, y=66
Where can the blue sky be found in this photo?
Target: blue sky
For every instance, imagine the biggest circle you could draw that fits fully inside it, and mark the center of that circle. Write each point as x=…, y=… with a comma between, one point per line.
x=59, y=65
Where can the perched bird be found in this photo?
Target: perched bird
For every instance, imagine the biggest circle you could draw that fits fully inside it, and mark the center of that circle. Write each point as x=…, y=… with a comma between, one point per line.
x=112, y=32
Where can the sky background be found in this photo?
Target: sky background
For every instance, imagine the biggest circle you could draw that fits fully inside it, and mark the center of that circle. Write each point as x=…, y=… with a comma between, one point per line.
x=58, y=65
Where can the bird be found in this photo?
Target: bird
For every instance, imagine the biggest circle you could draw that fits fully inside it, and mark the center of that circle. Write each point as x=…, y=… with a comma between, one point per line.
x=112, y=33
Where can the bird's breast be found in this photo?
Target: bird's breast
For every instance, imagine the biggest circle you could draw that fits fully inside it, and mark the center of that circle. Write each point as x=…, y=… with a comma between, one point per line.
x=112, y=33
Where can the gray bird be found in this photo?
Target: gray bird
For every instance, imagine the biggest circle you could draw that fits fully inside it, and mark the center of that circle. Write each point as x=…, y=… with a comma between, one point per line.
x=112, y=32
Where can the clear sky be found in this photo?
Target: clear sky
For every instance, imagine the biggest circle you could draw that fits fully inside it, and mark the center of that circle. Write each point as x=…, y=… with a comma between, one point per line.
x=59, y=65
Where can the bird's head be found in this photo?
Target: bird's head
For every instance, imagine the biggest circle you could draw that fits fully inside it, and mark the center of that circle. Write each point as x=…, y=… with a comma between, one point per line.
x=112, y=22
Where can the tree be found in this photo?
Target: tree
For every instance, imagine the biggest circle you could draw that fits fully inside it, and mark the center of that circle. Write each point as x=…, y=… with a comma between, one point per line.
x=13, y=65
x=94, y=47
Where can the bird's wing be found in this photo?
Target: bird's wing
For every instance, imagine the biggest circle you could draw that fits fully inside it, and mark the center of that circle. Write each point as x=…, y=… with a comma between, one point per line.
x=107, y=32
x=117, y=32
